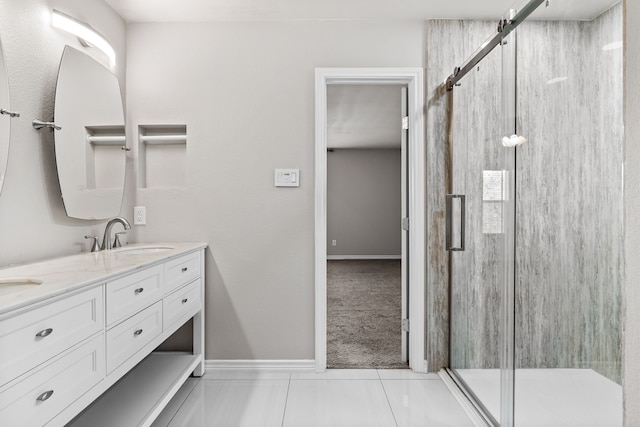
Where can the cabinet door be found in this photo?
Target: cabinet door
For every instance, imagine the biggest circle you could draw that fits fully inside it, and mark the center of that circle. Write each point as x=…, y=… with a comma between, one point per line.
x=182, y=304
x=31, y=338
x=182, y=270
x=38, y=397
x=132, y=293
x=127, y=338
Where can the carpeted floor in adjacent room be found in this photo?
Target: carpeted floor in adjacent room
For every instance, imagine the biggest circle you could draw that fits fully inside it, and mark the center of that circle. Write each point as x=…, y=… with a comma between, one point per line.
x=363, y=314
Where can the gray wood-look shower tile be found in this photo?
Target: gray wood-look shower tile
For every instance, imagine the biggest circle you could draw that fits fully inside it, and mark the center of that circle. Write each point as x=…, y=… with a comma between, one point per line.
x=569, y=197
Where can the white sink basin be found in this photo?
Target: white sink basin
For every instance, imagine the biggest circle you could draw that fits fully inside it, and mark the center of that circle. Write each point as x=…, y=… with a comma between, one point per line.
x=141, y=250
x=17, y=284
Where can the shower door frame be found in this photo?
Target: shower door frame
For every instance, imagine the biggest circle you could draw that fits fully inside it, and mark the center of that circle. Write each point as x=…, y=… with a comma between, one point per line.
x=464, y=393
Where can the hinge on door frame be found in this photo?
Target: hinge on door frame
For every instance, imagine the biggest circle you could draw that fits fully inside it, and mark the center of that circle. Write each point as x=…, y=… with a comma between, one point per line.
x=405, y=224
x=405, y=325
x=405, y=123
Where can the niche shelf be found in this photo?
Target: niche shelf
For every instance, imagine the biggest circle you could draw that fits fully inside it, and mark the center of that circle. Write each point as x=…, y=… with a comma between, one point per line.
x=105, y=157
x=162, y=155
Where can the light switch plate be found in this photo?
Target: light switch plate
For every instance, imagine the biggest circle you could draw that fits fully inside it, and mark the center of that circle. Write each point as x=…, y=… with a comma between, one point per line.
x=287, y=178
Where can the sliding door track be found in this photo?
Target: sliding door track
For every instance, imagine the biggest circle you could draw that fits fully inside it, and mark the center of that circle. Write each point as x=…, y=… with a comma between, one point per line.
x=469, y=402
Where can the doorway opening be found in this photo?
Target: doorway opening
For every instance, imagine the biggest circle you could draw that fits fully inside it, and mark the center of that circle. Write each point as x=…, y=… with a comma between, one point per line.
x=366, y=247
x=343, y=259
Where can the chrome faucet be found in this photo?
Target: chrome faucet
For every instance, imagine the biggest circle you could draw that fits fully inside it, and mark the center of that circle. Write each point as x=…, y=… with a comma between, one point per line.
x=106, y=240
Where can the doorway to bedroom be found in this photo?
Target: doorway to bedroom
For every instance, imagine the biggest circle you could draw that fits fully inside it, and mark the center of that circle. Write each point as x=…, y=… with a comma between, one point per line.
x=409, y=325
x=367, y=294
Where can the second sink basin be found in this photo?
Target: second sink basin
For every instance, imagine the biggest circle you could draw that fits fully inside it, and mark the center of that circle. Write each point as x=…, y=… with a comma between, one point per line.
x=16, y=284
x=140, y=250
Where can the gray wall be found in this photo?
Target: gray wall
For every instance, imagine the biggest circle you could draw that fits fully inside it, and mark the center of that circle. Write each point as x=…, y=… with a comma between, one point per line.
x=631, y=364
x=246, y=93
x=364, y=202
x=33, y=223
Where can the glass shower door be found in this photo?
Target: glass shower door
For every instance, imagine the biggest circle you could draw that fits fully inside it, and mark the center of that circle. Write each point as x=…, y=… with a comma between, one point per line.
x=569, y=232
x=481, y=233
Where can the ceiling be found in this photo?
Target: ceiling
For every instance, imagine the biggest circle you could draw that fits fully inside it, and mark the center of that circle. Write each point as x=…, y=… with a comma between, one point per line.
x=364, y=116
x=321, y=10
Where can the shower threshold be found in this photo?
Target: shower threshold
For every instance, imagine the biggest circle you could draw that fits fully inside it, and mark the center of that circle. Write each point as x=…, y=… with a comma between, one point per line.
x=546, y=397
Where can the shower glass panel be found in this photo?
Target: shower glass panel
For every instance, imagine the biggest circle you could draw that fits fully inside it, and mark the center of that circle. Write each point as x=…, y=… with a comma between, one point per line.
x=482, y=168
x=536, y=295
x=569, y=222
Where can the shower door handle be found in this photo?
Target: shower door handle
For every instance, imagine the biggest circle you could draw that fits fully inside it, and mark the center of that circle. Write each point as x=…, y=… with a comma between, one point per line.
x=449, y=231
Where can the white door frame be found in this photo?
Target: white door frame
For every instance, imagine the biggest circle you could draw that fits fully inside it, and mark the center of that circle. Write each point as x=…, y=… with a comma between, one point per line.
x=413, y=78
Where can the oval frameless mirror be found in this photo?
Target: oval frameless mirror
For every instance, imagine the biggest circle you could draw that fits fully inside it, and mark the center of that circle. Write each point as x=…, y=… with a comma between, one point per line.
x=5, y=119
x=90, y=146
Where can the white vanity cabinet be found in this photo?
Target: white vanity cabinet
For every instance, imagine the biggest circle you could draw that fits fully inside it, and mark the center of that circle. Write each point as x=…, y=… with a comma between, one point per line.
x=93, y=345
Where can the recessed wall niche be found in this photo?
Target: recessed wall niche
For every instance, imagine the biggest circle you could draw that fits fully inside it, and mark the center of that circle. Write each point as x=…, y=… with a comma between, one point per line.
x=162, y=156
x=103, y=157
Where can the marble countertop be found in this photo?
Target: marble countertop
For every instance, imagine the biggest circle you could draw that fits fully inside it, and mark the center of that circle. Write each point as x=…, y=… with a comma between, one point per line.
x=67, y=274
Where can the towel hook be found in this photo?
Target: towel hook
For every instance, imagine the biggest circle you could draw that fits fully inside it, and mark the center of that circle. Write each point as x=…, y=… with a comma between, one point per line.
x=12, y=114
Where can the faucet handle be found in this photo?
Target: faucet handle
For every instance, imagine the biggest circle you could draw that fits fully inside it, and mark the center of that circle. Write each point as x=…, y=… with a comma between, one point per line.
x=116, y=241
x=95, y=246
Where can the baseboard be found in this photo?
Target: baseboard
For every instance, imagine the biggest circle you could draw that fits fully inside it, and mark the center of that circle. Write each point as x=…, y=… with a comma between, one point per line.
x=365, y=257
x=260, y=365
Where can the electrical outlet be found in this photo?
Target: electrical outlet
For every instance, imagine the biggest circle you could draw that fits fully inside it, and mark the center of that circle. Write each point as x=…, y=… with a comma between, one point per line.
x=334, y=243
x=139, y=215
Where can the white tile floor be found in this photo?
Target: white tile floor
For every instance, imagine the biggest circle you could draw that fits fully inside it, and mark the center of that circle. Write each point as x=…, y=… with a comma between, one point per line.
x=349, y=398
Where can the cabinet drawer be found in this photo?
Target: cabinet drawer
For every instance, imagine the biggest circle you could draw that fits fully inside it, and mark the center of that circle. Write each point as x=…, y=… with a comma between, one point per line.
x=125, y=339
x=37, y=398
x=181, y=271
x=130, y=294
x=182, y=304
x=31, y=338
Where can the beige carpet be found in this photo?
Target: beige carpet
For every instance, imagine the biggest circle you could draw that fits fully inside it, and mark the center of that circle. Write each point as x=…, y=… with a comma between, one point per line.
x=363, y=314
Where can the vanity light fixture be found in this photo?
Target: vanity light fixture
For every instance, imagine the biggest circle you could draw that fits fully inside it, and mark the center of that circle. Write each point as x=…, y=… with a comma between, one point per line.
x=87, y=35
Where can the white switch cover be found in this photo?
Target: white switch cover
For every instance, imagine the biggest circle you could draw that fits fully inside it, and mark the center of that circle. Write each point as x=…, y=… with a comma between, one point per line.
x=287, y=178
x=139, y=215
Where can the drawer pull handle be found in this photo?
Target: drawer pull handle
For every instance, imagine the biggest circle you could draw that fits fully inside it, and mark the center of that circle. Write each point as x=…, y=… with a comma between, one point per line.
x=138, y=291
x=45, y=396
x=184, y=301
x=184, y=269
x=138, y=332
x=44, y=333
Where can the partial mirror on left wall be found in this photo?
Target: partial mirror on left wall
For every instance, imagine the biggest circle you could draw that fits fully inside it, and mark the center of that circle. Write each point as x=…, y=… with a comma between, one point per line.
x=5, y=118
x=90, y=144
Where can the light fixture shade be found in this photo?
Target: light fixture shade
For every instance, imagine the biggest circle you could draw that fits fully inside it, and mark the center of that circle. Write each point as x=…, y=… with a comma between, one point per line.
x=84, y=32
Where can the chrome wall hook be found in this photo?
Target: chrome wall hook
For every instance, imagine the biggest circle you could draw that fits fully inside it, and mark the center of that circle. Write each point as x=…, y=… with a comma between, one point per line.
x=39, y=124
x=12, y=114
